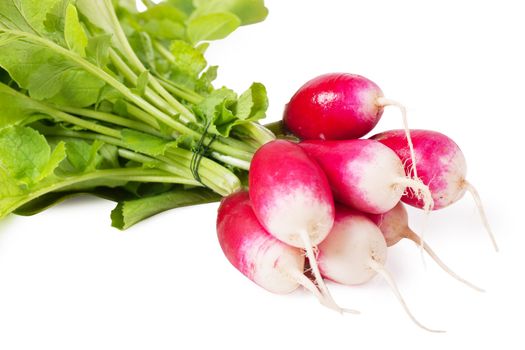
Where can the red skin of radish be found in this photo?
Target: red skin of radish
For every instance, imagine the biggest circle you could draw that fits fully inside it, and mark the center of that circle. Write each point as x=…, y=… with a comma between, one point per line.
x=334, y=106
x=440, y=164
x=290, y=193
x=361, y=173
x=253, y=251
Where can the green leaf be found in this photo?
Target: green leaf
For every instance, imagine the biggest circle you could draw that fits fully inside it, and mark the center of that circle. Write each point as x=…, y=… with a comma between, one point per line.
x=164, y=11
x=97, y=49
x=253, y=103
x=187, y=59
x=26, y=156
x=143, y=47
x=48, y=75
x=142, y=83
x=16, y=109
x=164, y=29
x=76, y=38
x=248, y=11
x=57, y=156
x=212, y=26
x=128, y=213
x=81, y=156
x=184, y=5
x=27, y=15
x=145, y=143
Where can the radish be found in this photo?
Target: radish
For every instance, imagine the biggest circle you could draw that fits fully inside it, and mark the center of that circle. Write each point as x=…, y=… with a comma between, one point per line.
x=441, y=165
x=291, y=198
x=338, y=106
x=262, y=258
x=364, y=174
x=355, y=251
x=394, y=226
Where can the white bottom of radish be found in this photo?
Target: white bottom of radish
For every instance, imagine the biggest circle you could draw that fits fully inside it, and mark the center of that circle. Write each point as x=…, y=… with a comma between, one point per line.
x=379, y=193
x=265, y=260
x=345, y=256
x=299, y=210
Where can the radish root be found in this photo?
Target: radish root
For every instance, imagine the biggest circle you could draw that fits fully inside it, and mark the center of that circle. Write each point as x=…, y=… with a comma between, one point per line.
x=411, y=235
x=428, y=203
x=383, y=102
x=312, y=288
x=475, y=195
x=315, y=268
x=380, y=269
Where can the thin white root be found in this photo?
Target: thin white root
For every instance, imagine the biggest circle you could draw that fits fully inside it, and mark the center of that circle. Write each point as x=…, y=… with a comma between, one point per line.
x=468, y=186
x=428, y=204
x=411, y=235
x=380, y=269
x=312, y=288
x=315, y=268
x=382, y=101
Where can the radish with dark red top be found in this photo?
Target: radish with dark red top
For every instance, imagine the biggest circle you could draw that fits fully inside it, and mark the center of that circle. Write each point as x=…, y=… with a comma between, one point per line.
x=291, y=198
x=364, y=174
x=338, y=106
x=394, y=226
x=270, y=263
x=440, y=164
x=355, y=251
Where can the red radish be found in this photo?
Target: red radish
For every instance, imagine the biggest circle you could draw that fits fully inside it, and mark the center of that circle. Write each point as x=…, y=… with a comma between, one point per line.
x=355, y=251
x=364, y=174
x=394, y=226
x=262, y=258
x=338, y=106
x=441, y=165
x=291, y=198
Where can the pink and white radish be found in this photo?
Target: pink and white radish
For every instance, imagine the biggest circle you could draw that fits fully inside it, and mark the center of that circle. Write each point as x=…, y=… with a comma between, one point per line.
x=291, y=198
x=338, y=106
x=364, y=174
x=270, y=263
x=355, y=251
x=441, y=165
x=394, y=226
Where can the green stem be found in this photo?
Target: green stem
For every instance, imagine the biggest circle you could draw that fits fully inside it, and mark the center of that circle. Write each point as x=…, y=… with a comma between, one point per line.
x=110, y=118
x=101, y=129
x=179, y=92
x=139, y=114
x=131, y=77
x=177, y=161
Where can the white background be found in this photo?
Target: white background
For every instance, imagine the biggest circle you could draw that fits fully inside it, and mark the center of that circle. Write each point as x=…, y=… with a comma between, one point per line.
x=70, y=281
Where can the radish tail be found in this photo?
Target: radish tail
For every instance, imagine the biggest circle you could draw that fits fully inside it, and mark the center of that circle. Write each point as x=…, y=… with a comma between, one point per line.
x=411, y=235
x=387, y=102
x=468, y=186
x=315, y=268
x=312, y=288
x=388, y=278
x=428, y=203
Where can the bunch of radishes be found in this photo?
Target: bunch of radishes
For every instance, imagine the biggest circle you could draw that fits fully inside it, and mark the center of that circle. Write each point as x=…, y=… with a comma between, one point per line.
x=289, y=215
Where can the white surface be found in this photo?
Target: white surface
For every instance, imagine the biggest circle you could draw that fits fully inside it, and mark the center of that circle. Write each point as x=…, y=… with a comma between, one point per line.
x=69, y=281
